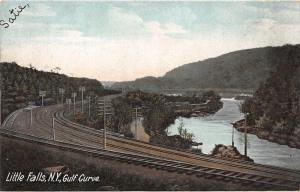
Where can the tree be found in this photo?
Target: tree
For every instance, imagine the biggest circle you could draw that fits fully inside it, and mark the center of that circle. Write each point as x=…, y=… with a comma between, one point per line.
x=56, y=69
x=190, y=136
x=280, y=126
x=180, y=127
x=31, y=66
x=297, y=131
x=185, y=133
x=275, y=104
x=264, y=122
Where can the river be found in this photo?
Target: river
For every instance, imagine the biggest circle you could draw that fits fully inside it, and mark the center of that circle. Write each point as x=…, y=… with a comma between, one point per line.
x=216, y=129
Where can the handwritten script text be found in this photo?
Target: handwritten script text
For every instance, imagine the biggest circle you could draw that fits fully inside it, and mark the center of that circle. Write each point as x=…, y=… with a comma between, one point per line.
x=15, y=13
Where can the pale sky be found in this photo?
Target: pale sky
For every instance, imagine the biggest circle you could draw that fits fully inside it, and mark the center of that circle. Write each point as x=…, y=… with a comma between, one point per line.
x=127, y=40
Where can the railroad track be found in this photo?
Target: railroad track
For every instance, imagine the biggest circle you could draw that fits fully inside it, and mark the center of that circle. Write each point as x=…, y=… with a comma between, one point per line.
x=64, y=119
x=265, y=183
x=98, y=135
x=86, y=139
x=142, y=145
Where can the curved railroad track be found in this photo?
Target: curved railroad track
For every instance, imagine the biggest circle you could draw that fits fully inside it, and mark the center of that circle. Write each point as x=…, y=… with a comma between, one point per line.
x=78, y=137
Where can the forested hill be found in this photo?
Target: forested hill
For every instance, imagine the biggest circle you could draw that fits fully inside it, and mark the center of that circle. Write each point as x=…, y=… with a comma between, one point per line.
x=275, y=106
x=244, y=69
x=21, y=85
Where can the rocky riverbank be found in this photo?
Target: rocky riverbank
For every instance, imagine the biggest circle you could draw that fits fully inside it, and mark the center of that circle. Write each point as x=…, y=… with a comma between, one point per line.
x=160, y=111
x=282, y=139
x=159, y=136
x=228, y=152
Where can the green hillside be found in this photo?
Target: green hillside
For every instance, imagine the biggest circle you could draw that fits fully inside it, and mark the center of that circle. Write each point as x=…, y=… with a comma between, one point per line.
x=21, y=85
x=275, y=106
x=244, y=69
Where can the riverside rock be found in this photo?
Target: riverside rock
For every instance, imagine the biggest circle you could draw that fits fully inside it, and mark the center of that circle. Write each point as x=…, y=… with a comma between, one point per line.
x=228, y=152
x=292, y=144
x=272, y=136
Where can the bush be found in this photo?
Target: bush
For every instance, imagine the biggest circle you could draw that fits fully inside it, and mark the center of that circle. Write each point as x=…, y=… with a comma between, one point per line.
x=129, y=135
x=264, y=122
x=280, y=126
x=297, y=131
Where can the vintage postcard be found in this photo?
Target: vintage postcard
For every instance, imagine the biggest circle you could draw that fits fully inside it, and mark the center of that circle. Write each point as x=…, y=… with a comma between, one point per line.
x=149, y=95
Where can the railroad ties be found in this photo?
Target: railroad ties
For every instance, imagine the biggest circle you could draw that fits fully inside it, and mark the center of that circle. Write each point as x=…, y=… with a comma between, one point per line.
x=263, y=182
x=207, y=173
x=168, y=165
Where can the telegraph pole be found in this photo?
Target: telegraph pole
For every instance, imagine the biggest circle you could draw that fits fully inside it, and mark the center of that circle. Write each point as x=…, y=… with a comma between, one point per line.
x=245, y=134
x=68, y=101
x=232, y=139
x=30, y=117
x=74, y=94
x=61, y=91
x=104, y=110
x=135, y=116
x=42, y=94
x=0, y=108
x=89, y=100
x=82, y=89
x=101, y=112
x=104, y=127
x=135, y=126
x=0, y=95
x=53, y=119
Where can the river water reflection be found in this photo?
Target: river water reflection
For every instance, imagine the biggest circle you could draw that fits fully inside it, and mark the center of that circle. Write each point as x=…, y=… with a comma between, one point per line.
x=216, y=129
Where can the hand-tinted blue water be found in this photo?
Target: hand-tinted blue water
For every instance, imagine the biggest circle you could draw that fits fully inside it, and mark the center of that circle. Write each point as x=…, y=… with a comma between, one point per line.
x=216, y=129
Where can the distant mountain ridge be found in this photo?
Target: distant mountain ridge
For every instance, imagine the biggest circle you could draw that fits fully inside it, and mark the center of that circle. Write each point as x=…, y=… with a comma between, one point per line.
x=243, y=69
x=107, y=83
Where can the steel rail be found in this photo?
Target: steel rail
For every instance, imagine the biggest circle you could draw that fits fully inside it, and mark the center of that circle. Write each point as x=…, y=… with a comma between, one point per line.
x=213, y=170
x=187, y=168
x=162, y=164
x=253, y=167
x=215, y=159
